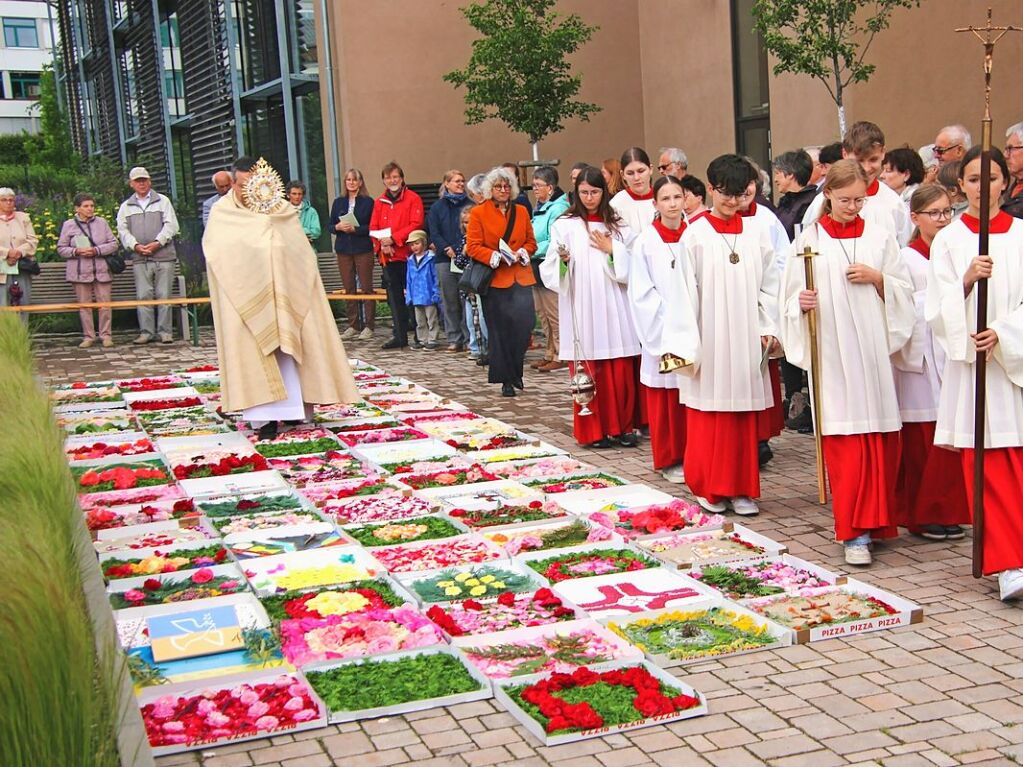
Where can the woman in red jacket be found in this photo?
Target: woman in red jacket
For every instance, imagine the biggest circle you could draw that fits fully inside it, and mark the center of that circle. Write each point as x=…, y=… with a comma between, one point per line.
x=398, y=211
x=508, y=304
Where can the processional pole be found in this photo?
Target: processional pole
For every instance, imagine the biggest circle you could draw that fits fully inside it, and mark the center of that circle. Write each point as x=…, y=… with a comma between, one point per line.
x=988, y=35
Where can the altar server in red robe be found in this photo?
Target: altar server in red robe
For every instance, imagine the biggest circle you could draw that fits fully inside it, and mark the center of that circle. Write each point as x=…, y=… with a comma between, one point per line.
x=665, y=322
x=864, y=304
x=587, y=265
x=931, y=490
x=736, y=285
x=951, y=311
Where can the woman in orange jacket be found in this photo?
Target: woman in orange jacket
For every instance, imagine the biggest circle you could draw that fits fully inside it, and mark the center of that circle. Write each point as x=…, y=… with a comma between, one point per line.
x=508, y=303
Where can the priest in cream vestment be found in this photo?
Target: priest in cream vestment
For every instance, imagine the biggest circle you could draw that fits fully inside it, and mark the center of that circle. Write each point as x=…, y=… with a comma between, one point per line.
x=277, y=343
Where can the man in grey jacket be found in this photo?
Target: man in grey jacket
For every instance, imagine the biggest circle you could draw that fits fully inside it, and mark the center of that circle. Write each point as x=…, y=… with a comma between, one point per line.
x=146, y=225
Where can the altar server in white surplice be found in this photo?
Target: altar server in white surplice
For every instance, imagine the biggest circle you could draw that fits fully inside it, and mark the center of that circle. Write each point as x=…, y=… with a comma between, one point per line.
x=663, y=296
x=732, y=264
x=864, y=142
x=951, y=311
x=635, y=203
x=587, y=265
x=931, y=490
x=864, y=303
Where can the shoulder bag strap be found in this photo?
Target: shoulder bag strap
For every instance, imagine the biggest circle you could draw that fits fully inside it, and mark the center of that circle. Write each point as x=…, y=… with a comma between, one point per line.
x=511, y=222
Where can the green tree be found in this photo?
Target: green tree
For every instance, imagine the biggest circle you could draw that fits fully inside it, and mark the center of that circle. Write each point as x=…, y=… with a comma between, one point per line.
x=825, y=39
x=52, y=145
x=518, y=71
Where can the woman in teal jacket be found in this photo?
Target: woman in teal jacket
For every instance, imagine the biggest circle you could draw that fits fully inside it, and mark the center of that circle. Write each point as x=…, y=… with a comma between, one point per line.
x=307, y=214
x=551, y=203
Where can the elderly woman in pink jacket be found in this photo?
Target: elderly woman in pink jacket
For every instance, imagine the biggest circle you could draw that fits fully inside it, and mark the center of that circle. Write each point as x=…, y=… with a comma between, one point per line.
x=84, y=242
x=18, y=240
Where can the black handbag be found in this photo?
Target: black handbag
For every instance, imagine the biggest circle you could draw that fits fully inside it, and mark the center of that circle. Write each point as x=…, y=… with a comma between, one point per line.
x=115, y=261
x=476, y=277
x=28, y=266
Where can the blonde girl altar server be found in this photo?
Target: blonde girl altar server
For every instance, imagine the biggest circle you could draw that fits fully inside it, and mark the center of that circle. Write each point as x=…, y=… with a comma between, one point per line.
x=951, y=311
x=586, y=264
x=864, y=304
x=931, y=489
x=731, y=263
x=662, y=308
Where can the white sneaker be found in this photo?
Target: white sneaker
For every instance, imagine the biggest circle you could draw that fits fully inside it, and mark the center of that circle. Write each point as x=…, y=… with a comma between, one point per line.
x=349, y=333
x=674, y=474
x=366, y=334
x=745, y=507
x=1010, y=584
x=717, y=508
x=860, y=555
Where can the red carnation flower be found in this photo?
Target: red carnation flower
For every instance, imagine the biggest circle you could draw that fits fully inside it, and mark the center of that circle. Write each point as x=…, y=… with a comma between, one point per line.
x=152, y=584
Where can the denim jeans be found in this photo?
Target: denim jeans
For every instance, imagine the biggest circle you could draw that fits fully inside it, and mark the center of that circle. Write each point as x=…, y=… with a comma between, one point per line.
x=474, y=341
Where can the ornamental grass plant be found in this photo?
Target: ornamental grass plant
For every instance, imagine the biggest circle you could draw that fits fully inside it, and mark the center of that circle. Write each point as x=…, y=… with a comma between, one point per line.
x=60, y=696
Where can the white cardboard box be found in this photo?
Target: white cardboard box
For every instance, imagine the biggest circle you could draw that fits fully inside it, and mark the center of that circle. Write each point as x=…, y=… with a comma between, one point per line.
x=781, y=636
x=539, y=733
x=337, y=717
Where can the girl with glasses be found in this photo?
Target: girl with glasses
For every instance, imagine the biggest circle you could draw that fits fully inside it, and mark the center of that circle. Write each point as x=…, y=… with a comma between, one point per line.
x=951, y=311
x=864, y=304
x=930, y=491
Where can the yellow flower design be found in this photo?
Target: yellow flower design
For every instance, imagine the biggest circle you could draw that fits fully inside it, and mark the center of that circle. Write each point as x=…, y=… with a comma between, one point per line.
x=334, y=603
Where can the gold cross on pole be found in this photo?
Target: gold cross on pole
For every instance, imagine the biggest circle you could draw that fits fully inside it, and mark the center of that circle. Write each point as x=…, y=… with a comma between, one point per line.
x=989, y=35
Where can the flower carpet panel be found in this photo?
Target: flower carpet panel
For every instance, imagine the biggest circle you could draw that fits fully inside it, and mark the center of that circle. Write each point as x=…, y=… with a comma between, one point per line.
x=405, y=553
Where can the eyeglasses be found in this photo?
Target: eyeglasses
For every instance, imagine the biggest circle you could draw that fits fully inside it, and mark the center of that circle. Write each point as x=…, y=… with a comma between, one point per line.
x=937, y=215
x=1010, y=149
x=725, y=195
x=501, y=186
x=942, y=151
x=859, y=202
x=663, y=168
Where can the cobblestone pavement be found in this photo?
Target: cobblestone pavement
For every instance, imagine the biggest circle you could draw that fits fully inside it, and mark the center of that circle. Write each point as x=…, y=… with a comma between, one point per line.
x=944, y=692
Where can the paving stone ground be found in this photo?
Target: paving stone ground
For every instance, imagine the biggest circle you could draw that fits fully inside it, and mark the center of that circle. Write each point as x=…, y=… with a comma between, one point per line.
x=944, y=692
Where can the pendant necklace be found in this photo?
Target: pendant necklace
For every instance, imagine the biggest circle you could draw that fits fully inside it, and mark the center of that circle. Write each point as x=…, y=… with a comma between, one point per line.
x=846, y=253
x=733, y=257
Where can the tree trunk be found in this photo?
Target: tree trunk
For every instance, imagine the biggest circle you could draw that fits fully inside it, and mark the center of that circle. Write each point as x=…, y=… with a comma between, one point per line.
x=536, y=151
x=841, y=121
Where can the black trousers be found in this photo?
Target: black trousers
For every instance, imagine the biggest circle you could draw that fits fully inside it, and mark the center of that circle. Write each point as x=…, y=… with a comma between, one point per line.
x=394, y=283
x=510, y=318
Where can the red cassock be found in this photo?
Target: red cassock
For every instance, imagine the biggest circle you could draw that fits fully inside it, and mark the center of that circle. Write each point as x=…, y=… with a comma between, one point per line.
x=667, y=425
x=862, y=472
x=770, y=422
x=930, y=489
x=614, y=406
x=1003, y=516
x=721, y=454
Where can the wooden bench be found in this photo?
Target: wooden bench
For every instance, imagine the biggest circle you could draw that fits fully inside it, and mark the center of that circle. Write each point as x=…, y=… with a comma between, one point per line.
x=52, y=293
x=50, y=288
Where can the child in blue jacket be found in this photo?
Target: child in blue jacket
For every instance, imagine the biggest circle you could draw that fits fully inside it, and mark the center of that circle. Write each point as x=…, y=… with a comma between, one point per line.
x=421, y=291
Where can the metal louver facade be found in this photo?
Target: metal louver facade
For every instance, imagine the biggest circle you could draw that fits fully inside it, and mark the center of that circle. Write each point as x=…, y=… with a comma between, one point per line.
x=184, y=86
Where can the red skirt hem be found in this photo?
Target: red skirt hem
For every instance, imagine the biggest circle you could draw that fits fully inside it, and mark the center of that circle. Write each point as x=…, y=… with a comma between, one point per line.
x=614, y=403
x=862, y=472
x=721, y=454
x=1003, y=517
x=667, y=425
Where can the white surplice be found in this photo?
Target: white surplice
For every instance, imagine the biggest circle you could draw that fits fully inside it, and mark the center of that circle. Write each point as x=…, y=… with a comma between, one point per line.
x=918, y=364
x=857, y=330
x=637, y=214
x=595, y=282
x=735, y=307
x=663, y=300
x=883, y=207
x=953, y=318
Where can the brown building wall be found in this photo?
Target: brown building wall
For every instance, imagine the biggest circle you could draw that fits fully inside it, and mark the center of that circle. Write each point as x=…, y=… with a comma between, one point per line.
x=661, y=70
x=393, y=104
x=686, y=59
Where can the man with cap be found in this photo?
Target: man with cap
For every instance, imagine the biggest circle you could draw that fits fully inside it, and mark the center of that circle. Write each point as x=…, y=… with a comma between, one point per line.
x=147, y=225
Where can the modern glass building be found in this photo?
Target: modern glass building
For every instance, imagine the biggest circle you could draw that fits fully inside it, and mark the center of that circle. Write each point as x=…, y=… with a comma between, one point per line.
x=184, y=86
